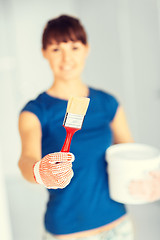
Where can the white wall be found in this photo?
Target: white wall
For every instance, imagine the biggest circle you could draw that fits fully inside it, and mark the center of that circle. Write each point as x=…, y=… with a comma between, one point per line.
x=124, y=59
x=124, y=37
x=23, y=74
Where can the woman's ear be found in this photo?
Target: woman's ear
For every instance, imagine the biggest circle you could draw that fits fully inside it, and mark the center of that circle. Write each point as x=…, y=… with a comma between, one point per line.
x=44, y=53
x=87, y=49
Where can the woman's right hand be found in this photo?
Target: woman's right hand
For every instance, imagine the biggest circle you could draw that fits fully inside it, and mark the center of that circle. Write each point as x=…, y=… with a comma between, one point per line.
x=54, y=170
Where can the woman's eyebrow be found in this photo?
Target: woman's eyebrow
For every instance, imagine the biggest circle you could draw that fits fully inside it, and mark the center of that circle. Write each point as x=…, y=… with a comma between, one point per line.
x=54, y=45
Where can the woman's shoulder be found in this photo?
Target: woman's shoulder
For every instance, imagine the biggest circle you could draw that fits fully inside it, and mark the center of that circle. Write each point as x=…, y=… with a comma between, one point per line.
x=35, y=106
x=105, y=101
x=40, y=98
x=101, y=93
x=37, y=100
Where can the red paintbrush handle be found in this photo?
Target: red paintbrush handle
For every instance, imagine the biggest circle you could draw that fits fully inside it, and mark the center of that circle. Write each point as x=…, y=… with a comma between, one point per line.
x=70, y=131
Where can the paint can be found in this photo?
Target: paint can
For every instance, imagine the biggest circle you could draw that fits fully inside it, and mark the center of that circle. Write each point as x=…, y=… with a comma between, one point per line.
x=127, y=162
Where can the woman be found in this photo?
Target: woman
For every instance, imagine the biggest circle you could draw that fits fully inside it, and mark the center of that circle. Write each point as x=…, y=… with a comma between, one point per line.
x=79, y=205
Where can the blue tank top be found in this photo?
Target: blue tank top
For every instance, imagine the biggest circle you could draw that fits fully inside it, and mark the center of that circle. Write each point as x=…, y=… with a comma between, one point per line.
x=85, y=203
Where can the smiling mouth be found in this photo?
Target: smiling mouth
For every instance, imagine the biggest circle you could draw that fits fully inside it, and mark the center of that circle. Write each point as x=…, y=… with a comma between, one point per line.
x=66, y=68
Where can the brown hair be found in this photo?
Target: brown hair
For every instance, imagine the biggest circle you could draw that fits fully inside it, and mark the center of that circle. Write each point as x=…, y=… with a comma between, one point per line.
x=63, y=29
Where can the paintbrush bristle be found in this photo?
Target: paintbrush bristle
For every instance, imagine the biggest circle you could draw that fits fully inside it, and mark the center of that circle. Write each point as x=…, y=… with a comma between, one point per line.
x=78, y=105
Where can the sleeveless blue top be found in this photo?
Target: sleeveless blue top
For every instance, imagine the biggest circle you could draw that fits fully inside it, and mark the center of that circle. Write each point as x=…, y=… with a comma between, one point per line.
x=85, y=203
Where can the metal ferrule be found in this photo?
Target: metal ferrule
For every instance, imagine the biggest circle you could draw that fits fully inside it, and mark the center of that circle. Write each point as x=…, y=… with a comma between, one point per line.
x=73, y=120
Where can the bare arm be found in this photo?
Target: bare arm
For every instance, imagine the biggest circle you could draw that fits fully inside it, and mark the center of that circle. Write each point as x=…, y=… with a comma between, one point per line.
x=119, y=126
x=30, y=133
x=147, y=188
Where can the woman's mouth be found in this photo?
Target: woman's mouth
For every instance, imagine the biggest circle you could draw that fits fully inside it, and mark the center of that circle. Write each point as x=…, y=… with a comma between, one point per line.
x=66, y=68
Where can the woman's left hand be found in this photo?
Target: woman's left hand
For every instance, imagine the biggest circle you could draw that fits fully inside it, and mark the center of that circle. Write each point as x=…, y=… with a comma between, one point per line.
x=148, y=188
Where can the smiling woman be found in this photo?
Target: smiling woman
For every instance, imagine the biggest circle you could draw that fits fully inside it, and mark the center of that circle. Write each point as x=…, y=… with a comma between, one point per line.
x=82, y=208
x=66, y=60
x=65, y=46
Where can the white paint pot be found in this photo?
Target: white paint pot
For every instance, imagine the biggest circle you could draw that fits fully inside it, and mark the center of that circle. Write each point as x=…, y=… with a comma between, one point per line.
x=127, y=162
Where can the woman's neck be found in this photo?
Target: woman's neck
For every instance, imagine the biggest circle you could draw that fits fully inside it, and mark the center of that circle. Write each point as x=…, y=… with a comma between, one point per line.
x=66, y=89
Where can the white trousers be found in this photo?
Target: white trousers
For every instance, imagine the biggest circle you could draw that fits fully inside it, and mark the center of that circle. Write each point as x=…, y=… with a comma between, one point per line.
x=123, y=231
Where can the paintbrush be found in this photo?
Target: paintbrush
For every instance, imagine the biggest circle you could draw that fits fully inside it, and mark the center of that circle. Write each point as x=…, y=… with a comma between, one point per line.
x=75, y=113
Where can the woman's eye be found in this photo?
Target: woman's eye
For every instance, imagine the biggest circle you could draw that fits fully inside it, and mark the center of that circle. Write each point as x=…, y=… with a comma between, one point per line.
x=74, y=48
x=55, y=49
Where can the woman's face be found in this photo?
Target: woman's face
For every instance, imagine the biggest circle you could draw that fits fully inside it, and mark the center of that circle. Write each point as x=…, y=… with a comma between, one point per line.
x=66, y=59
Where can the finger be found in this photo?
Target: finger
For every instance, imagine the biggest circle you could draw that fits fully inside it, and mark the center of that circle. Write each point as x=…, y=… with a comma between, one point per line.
x=155, y=174
x=49, y=181
x=59, y=180
x=62, y=167
x=61, y=157
x=67, y=180
x=144, y=190
x=63, y=178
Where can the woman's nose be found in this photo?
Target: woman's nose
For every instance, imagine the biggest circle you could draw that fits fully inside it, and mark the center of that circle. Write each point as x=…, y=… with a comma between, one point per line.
x=66, y=56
